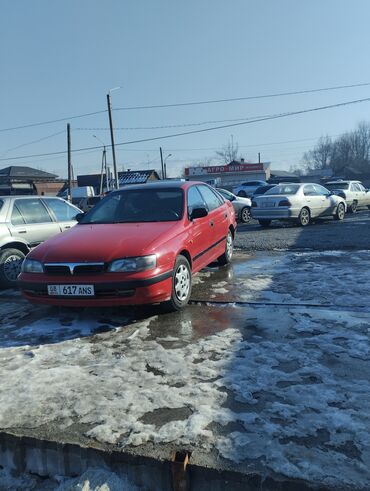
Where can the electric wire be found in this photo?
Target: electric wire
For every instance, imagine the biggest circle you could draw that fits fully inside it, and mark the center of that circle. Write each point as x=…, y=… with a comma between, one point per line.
x=203, y=130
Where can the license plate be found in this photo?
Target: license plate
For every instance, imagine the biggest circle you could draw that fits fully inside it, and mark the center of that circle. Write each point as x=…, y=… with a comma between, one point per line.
x=71, y=290
x=267, y=204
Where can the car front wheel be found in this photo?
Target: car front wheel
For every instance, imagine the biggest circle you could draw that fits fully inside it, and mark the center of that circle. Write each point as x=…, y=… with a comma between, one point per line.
x=353, y=207
x=181, y=285
x=339, y=215
x=10, y=266
x=245, y=215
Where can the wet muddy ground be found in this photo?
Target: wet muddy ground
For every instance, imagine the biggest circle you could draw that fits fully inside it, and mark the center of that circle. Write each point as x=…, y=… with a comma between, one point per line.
x=267, y=370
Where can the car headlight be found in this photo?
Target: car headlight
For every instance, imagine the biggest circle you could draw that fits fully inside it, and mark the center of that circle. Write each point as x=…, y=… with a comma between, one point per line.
x=32, y=266
x=133, y=264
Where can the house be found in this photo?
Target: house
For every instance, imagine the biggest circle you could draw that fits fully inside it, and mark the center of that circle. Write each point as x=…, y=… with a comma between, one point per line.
x=124, y=178
x=16, y=180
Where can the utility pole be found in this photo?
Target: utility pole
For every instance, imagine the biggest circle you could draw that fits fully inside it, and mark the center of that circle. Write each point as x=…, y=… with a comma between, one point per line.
x=112, y=140
x=69, y=195
x=162, y=166
x=103, y=163
x=259, y=157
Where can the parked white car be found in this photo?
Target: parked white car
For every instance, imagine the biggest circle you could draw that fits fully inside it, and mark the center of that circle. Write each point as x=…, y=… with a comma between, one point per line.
x=246, y=189
x=242, y=206
x=299, y=202
x=354, y=192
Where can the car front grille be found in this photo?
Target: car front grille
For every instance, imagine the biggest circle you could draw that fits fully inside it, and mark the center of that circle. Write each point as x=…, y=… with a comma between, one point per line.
x=74, y=269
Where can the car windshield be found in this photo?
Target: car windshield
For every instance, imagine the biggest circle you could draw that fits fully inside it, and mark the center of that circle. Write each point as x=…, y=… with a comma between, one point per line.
x=225, y=193
x=138, y=205
x=337, y=185
x=284, y=189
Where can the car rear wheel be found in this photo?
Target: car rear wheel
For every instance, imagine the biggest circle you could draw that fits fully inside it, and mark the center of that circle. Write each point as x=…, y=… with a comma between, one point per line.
x=245, y=215
x=181, y=285
x=242, y=194
x=304, y=217
x=339, y=215
x=10, y=266
x=264, y=223
x=229, y=249
x=353, y=207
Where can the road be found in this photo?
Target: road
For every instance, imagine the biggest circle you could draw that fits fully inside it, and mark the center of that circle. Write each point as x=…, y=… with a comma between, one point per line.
x=351, y=234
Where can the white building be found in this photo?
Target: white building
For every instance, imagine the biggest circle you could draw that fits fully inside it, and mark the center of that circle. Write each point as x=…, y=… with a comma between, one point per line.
x=229, y=175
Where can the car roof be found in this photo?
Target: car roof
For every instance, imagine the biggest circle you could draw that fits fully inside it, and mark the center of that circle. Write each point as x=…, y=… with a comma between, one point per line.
x=28, y=196
x=165, y=184
x=340, y=182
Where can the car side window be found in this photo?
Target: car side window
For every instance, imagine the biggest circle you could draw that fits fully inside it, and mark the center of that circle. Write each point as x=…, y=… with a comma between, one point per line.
x=361, y=187
x=357, y=186
x=211, y=199
x=33, y=210
x=62, y=210
x=321, y=190
x=16, y=217
x=195, y=200
x=354, y=187
x=309, y=190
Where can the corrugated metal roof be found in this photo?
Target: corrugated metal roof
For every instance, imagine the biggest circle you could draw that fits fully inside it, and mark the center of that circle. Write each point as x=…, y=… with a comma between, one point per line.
x=18, y=171
x=135, y=177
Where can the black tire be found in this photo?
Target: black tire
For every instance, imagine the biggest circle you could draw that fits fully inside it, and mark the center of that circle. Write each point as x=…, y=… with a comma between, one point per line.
x=352, y=207
x=264, y=223
x=10, y=266
x=245, y=214
x=242, y=194
x=229, y=248
x=339, y=214
x=180, y=295
x=304, y=217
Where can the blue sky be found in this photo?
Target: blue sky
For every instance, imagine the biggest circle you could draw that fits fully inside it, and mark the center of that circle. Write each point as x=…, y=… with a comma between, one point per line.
x=60, y=58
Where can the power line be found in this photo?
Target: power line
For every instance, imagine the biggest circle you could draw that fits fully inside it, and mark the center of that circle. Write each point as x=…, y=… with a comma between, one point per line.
x=34, y=141
x=248, y=98
x=192, y=103
x=30, y=125
x=174, y=135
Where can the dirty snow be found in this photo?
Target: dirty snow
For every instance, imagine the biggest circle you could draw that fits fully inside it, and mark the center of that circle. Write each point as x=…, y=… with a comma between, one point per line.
x=283, y=387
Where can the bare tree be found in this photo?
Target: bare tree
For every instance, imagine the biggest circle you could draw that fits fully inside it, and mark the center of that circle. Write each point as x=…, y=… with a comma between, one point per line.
x=320, y=156
x=228, y=152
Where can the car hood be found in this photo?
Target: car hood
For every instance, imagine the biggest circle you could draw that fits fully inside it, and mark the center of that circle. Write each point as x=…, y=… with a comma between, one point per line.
x=103, y=242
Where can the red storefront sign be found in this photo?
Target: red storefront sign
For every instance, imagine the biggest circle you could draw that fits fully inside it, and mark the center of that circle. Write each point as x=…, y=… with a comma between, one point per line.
x=220, y=169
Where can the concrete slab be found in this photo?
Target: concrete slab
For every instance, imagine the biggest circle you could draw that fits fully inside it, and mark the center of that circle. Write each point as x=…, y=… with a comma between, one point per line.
x=275, y=385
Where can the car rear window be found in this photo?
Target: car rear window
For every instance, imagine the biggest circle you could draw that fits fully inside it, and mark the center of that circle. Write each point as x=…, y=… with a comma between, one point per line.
x=337, y=185
x=138, y=205
x=284, y=189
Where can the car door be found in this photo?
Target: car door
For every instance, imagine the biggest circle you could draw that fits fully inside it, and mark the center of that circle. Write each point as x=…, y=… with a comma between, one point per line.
x=313, y=200
x=328, y=201
x=31, y=221
x=200, y=232
x=361, y=194
x=218, y=216
x=63, y=212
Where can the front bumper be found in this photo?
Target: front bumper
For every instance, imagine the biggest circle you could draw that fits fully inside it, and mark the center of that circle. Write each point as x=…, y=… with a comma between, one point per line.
x=149, y=290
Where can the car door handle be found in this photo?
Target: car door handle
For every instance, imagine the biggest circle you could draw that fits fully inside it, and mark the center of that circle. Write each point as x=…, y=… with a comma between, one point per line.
x=212, y=224
x=22, y=231
x=67, y=226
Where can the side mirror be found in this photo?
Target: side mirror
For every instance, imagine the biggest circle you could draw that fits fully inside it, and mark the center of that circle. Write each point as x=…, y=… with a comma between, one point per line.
x=198, y=213
x=79, y=216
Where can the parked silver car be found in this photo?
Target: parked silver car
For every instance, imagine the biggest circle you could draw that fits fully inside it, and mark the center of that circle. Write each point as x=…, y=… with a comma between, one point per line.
x=354, y=192
x=25, y=222
x=298, y=202
x=242, y=206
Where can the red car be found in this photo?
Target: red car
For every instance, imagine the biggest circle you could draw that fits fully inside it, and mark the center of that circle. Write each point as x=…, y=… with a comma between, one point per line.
x=139, y=245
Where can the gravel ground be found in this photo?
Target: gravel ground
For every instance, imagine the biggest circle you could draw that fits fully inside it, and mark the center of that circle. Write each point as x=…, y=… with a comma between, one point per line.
x=351, y=234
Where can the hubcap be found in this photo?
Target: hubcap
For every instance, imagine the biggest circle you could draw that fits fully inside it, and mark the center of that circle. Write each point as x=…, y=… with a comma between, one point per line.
x=245, y=215
x=229, y=246
x=305, y=217
x=341, y=211
x=182, y=282
x=12, y=267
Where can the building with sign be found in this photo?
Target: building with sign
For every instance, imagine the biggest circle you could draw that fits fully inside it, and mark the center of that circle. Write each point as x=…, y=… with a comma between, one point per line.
x=231, y=174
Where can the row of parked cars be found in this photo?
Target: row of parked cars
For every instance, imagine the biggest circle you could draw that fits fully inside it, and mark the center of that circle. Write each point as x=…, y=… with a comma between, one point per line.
x=301, y=202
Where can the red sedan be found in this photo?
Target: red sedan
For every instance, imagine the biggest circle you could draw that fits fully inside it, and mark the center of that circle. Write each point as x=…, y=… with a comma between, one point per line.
x=140, y=245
